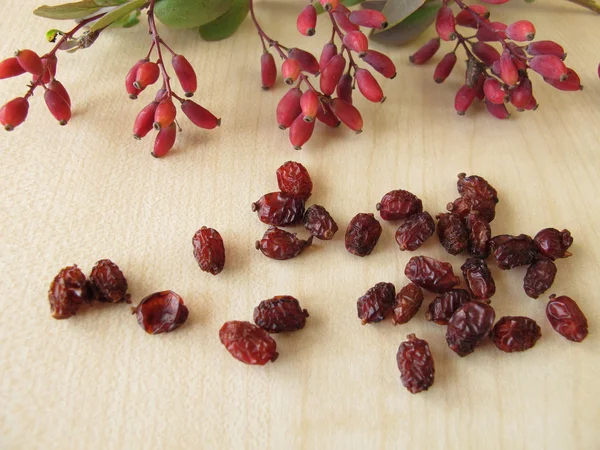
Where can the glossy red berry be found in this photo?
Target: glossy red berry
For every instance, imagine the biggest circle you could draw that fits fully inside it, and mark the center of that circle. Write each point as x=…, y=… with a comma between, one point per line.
x=357, y=42
x=165, y=140
x=10, y=68
x=326, y=116
x=522, y=30
x=57, y=106
x=426, y=52
x=307, y=20
x=546, y=48
x=165, y=114
x=200, y=116
x=300, y=132
x=290, y=69
x=328, y=52
x=444, y=67
x=549, y=66
x=486, y=53
x=445, y=24
x=368, y=86
x=329, y=5
x=14, y=113
x=331, y=74
x=369, y=18
x=508, y=71
x=268, y=70
x=146, y=74
x=185, y=74
x=493, y=32
x=309, y=103
x=144, y=121
x=344, y=88
x=498, y=111
x=30, y=61
x=289, y=108
x=572, y=83
x=344, y=23
x=380, y=62
x=130, y=80
x=521, y=94
x=464, y=98
x=49, y=65
x=348, y=114
x=308, y=63
x=493, y=91
x=57, y=87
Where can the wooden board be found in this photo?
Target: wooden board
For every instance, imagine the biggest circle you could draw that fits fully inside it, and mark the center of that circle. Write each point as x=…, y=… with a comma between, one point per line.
x=89, y=191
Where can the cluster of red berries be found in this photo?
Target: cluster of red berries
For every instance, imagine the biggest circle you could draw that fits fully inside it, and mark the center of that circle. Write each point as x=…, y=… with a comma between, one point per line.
x=338, y=74
x=497, y=78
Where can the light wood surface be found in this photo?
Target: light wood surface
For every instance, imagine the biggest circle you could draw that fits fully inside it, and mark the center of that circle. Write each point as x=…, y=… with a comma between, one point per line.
x=89, y=191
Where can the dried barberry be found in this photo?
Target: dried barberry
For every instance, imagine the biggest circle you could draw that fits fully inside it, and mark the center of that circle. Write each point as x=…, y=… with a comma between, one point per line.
x=512, y=251
x=319, y=223
x=415, y=364
x=161, y=312
x=293, y=179
x=431, y=274
x=452, y=232
x=280, y=244
x=279, y=209
x=480, y=234
x=566, y=318
x=415, y=231
x=462, y=206
x=553, y=243
x=209, y=250
x=468, y=326
x=479, y=278
x=399, y=204
x=475, y=186
x=362, y=234
x=280, y=313
x=68, y=291
x=539, y=277
x=108, y=282
x=515, y=334
x=248, y=343
x=442, y=308
x=407, y=304
x=376, y=303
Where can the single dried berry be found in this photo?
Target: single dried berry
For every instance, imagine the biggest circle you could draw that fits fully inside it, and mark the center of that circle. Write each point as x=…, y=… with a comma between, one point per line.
x=161, y=312
x=475, y=186
x=566, y=318
x=415, y=231
x=68, y=291
x=281, y=245
x=209, y=250
x=407, y=304
x=376, y=303
x=553, y=243
x=539, y=277
x=108, y=282
x=293, y=179
x=280, y=313
x=452, y=232
x=416, y=364
x=468, y=326
x=479, y=278
x=279, y=208
x=362, y=234
x=442, y=308
x=515, y=334
x=431, y=274
x=480, y=234
x=512, y=251
x=399, y=204
x=248, y=343
x=319, y=223
x=462, y=206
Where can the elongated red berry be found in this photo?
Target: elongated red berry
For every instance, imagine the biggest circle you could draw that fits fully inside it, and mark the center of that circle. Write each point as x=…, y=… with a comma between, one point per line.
x=572, y=83
x=344, y=23
x=369, y=18
x=30, y=61
x=380, y=62
x=290, y=69
x=185, y=74
x=444, y=67
x=308, y=63
x=268, y=70
x=521, y=94
x=493, y=91
x=289, y=108
x=520, y=31
x=326, y=116
x=165, y=114
x=307, y=20
x=549, y=66
x=344, y=88
x=486, y=53
x=130, y=80
x=494, y=31
x=165, y=140
x=57, y=106
x=357, y=42
x=144, y=121
x=546, y=48
x=328, y=5
x=464, y=98
x=342, y=9
x=160, y=94
x=200, y=116
x=147, y=74
x=49, y=69
x=368, y=86
x=445, y=24
x=309, y=102
x=332, y=73
x=14, y=113
x=426, y=52
x=348, y=114
x=508, y=70
x=57, y=87
x=328, y=52
x=499, y=111
x=465, y=19
x=300, y=132
x=532, y=105
x=10, y=67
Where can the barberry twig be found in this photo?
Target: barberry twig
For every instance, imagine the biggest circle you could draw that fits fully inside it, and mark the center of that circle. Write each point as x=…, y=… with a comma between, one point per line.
x=592, y=5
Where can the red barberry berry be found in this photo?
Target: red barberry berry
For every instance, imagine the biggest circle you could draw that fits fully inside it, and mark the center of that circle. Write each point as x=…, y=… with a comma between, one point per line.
x=572, y=83
x=328, y=5
x=357, y=42
x=14, y=113
x=532, y=105
x=30, y=61
x=344, y=23
x=368, y=86
x=326, y=116
x=380, y=62
x=342, y=9
x=165, y=114
x=332, y=73
x=57, y=87
x=499, y=111
x=546, y=48
x=290, y=69
x=309, y=102
x=444, y=67
x=49, y=69
x=465, y=19
x=493, y=91
x=144, y=121
x=165, y=140
x=300, y=132
x=268, y=70
x=10, y=68
x=348, y=114
x=307, y=20
x=521, y=94
x=549, y=66
x=369, y=18
x=522, y=30
x=445, y=24
x=308, y=63
x=494, y=31
x=147, y=74
x=328, y=52
x=289, y=108
x=57, y=106
x=130, y=80
x=185, y=74
x=200, y=116
x=426, y=52
x=464, y=98
x=486, y=53
x=508, y=70
x=344, y=88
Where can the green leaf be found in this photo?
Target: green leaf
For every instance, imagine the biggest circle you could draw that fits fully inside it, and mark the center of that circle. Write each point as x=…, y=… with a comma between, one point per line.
x=110, y=2
x=128, y=21
x=227, y=24
x=395, y=11
x=52, y=34
x=411, y=27
x=190, y=13
x=347, y=3
x=117, y=14
x=68, y=11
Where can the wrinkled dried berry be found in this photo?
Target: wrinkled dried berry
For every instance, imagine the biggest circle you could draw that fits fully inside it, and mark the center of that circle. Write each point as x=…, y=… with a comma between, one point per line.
x=248, y=343
x=280, y=313
x=408, y=301
x=280, y=244
x=476, y=187
x=399, y=204
x=515, y=334
x=442, y=308
x=479, y=278
x=362, y=234
x=512, y=251
x=376, y=303
x=431, y=274
x=452, y=232
x=553, y=243
x=415, y=231
x=480, y=234
x=539, y=277
x=566, y=318
x=279, y=209
x=293, y=179
x=462, y=206
x=108, y=282
x=209, y=250
x=468, y=326
x=319, y=223
x=161, y=312
x=68, y=291
x=416, y=364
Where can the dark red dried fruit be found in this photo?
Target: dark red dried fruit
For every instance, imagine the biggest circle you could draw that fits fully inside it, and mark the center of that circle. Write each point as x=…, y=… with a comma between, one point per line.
x=407, y=304
x=161, y=312
x=431, y=274
x=68, y=291
x=376, y=303
x=515, y=334
x=442, y=308
x=468, y=326
x=293, y=179
x=362, y=234
x=280, y=244
x=248, y=343
x=480, y=234
x=108, y=282
x=416, y=364
x=279, y=209
x=539, y=277
x=512, y=251
x=452, y=232
x=566, y=318
x=479, y=278
x=553, y=243
x=462, y=206
x=415, y=231
x=399, y=204
x=319, y=223
x=280, y=313
x=209, y=250
x=476, y=187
